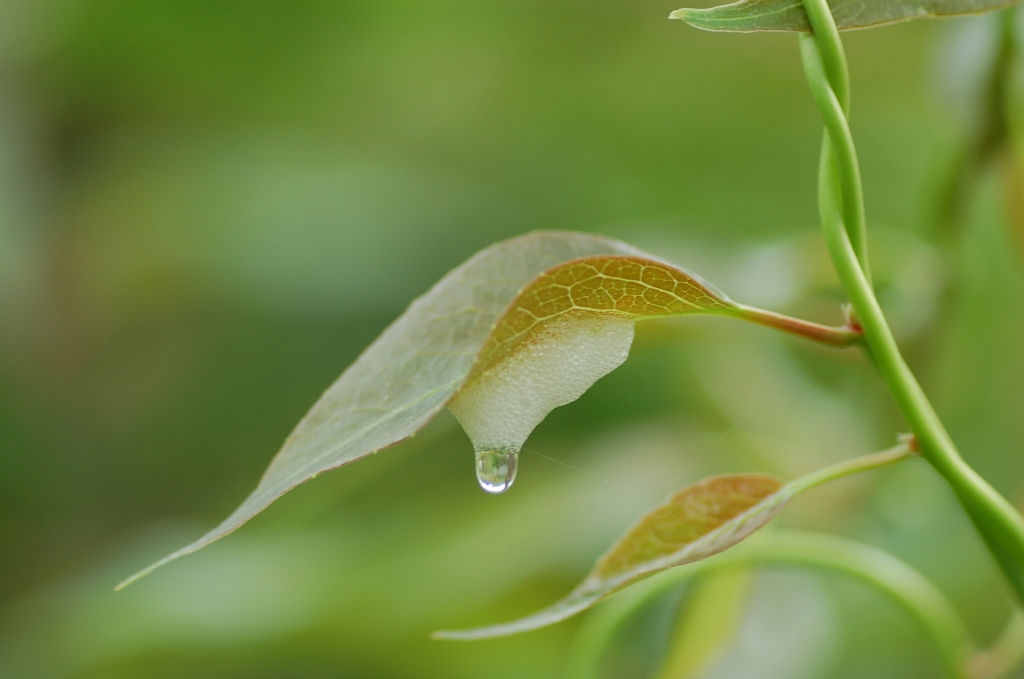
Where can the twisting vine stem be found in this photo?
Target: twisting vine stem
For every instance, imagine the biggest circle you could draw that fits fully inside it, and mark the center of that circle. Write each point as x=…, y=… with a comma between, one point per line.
x=839, y=194
x=840, y=160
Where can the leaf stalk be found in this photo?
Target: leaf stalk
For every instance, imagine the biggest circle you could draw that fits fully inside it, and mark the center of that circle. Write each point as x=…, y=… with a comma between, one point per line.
x=842, y=336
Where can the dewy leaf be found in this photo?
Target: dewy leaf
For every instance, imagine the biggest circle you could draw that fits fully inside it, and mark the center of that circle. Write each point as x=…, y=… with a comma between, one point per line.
x=420, y=362
x=695, y=523
x=789, y=15
x=521, y=328
x=564, y=331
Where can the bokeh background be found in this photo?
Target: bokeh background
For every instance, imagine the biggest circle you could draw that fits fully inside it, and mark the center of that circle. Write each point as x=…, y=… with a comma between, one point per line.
x=208, y=207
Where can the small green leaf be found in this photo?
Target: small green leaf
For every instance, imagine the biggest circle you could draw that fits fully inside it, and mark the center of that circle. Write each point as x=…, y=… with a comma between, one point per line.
x=788, y=15
x=695, y=523
x=893, y=578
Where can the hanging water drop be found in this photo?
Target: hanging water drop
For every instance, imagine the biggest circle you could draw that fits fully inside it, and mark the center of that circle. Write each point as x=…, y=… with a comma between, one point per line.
x=563, y=357
x=496, y=469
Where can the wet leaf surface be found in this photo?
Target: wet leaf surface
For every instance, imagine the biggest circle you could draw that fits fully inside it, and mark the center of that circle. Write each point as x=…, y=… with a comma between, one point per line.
x=517, y=330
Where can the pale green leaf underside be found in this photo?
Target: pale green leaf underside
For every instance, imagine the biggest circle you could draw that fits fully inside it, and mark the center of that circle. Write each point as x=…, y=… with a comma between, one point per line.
x=788, y=15
x=412, y=370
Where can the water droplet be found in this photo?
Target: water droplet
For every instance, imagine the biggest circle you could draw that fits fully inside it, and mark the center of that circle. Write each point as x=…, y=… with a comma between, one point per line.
x=496, y=469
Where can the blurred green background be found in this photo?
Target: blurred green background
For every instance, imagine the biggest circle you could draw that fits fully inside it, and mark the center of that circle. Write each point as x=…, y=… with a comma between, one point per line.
x=207, y=208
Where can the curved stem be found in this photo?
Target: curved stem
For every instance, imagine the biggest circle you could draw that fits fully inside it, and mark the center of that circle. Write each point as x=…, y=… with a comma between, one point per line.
x=905, y=448
x=998, y=522
x=875, y=567
x=833, y=56
x=838, y=152
x=844, y=336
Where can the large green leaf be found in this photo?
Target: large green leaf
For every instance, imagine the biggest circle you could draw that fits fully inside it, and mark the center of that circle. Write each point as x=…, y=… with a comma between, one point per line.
x=521, y=328
x=788, y=15
x=536, y=320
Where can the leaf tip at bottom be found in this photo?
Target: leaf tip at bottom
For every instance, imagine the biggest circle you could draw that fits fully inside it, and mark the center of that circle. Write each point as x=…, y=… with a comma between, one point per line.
x=137, y=576
x=184, y=551
x=458, y=635
x=576, y=602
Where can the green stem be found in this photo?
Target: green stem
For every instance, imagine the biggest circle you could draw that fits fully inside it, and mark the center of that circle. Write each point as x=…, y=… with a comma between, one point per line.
x=832, y=89
x=833, y=56
x=905, y=448
x=998, y=522
x=875, y=567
